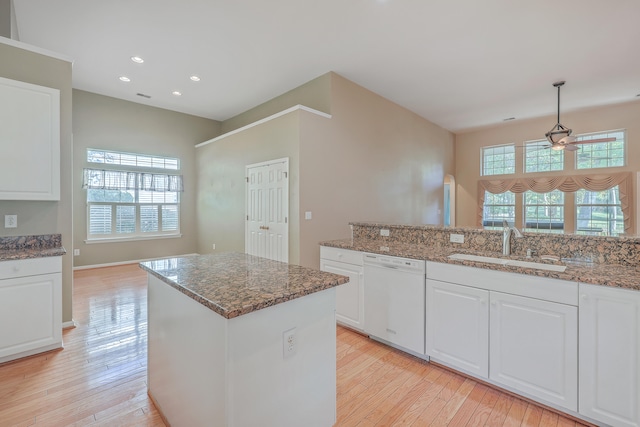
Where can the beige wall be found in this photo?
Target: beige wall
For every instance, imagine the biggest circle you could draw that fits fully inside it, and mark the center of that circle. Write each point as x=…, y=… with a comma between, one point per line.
x=314, y=94
x=45, y=217
x=112, y=124
x=372, y=161
x=468, y=146
x=221, y=182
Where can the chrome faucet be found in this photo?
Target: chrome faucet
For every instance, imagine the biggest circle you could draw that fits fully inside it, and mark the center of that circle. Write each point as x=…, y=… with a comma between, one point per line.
x=506, y=236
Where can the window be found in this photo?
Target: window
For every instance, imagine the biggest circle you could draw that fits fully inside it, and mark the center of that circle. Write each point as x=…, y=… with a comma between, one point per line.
x=599, y=212
x=544, y=212
x=130, y=159
x=131, y=197
x=601, y=154
x=499, y=160
x=498, y=207
x=539, y=158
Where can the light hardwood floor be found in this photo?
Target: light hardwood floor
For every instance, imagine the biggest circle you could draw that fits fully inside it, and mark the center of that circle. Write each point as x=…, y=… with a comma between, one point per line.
x=99, y=379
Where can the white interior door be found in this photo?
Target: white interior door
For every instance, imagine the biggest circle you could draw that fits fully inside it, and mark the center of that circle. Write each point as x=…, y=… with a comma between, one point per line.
x=267, y=210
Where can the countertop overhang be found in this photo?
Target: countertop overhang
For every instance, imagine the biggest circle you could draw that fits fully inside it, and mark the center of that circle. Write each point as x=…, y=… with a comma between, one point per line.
x=234, y=284
x=627, y=277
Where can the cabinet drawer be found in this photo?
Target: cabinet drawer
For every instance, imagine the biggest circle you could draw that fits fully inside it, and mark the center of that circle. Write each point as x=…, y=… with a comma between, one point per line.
x=30, y=267
x=341, y=255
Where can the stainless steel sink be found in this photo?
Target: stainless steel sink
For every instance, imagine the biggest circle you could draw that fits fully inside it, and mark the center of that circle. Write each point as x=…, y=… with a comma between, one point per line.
x=509, y=262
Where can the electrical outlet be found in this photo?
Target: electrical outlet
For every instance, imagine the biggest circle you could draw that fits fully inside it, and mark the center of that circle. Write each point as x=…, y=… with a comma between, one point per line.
x=456, y=238
x=10, y=221
x=76, y=252
x=213, y=246
x=289, y=343
x=308, y=215
x=384, y=232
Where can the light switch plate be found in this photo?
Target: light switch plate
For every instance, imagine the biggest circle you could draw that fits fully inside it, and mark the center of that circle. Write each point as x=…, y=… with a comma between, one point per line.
x=11, y=221
x=308, y=215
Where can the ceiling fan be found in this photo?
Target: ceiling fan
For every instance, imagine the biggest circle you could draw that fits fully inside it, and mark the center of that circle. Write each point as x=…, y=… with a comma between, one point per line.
x=560, y=137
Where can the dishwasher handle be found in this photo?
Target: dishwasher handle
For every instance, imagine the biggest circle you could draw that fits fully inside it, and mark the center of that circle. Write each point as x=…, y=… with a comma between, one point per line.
x=382, y=265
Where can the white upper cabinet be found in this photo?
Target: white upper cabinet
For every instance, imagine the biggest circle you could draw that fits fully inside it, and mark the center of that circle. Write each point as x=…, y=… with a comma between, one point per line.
x=29, y=141
x=610, y=355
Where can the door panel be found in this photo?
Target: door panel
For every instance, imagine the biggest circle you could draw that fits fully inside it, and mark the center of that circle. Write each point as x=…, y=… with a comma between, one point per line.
x=457, y=327
x=349, y=297
x=534, y=348
x=267, y=229
x=610, y=355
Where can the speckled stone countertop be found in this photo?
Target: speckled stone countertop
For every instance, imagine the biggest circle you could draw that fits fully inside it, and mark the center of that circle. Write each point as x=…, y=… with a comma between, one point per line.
x=621, y=276
x=26, y=247
x=233, y=284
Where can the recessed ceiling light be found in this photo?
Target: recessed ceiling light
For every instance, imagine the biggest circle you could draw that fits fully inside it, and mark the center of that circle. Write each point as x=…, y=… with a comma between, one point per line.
x=124, y=79
x=137, y=59
x=177, y=93
x=195, y=78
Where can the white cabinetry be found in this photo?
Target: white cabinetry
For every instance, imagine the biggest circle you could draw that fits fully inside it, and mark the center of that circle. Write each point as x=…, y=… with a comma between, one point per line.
x=29, y=141
x=524, y=339
x=349, y=297
x=30, y=307
x=534, y=348
x=457, y=327
x=610, y=355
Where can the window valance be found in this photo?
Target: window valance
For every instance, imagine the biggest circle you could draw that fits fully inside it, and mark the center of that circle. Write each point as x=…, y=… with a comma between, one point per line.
x=125, y=180
x=567, y=184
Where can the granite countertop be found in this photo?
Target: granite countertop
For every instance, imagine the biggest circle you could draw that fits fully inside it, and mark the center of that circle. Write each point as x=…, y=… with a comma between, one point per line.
x=233, y=284
x=18, y=254
x=620, y=276
x=27, y=247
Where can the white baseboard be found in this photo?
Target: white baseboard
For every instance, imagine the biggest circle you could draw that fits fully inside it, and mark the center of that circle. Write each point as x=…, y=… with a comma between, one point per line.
x=68, y=325
x=132, y=261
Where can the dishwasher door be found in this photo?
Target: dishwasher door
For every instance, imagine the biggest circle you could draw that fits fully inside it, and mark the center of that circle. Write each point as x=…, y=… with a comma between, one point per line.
x=394, y=300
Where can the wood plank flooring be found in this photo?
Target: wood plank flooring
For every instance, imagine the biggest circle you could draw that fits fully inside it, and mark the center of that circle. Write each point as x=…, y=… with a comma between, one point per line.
x=99, y=379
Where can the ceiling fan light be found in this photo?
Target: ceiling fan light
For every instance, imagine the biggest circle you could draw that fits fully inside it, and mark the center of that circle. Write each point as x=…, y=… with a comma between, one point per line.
x=557, y=147
x=558, y=133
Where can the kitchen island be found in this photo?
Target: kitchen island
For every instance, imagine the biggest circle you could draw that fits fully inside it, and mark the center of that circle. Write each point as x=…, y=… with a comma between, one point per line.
x=238, y=340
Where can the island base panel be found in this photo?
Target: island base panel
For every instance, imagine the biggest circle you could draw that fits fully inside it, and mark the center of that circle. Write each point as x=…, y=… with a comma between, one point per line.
x=207, y=370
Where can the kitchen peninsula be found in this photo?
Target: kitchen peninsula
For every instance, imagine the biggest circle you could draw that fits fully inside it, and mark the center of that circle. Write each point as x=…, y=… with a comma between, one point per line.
x=556, y=321
x=239, y=340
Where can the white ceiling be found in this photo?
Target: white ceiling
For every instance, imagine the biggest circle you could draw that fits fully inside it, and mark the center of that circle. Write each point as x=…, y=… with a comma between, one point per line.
x=459, y=63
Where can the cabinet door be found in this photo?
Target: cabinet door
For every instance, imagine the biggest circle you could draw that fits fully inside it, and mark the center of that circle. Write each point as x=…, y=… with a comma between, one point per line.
x=457, y=327
x=534, y=348
x=610, y=355
x=349, y=297
x=29, y=141
x=30, y=315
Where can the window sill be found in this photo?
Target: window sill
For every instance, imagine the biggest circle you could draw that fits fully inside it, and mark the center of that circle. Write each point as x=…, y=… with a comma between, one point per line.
x=131, y=239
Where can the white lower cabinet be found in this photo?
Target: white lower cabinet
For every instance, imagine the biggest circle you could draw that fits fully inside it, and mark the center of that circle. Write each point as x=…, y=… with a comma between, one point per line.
x=516, y=331
x=457, y=327
x=30, y=307
x=350, y=296
x=610, y=355
x=534, y=348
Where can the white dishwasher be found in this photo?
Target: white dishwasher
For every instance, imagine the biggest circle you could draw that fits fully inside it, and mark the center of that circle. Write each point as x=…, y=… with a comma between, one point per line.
x=394, y=300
